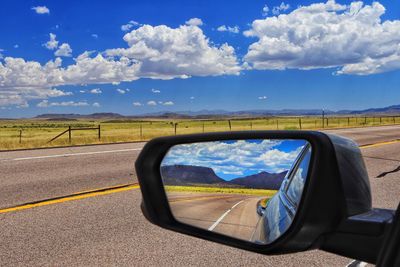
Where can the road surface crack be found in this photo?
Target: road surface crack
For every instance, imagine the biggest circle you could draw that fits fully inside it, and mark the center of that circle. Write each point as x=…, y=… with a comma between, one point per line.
x=385, y=173
x=371, y=157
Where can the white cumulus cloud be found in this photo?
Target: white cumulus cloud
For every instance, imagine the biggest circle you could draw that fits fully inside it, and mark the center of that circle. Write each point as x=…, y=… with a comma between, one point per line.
x=121, y=91
x=129, y=25
x=152, y=103
x=194, y=22
x=265, y=11
x=168, y=103
x=23, y=105
x=45, y=103
x=63, y=50
x=41, y=10
x=352, y=38
x=276, y=10
x=156, y=91
x=158, y=52
x=166, y=53
x=96, y=105
x=262, y=97
x=52, y=43
x=137, y=104
x=223, y=28
x=21, y=81
x=96, y=91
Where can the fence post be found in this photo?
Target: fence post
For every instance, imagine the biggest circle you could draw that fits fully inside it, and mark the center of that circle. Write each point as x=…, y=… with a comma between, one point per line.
x=99, y=133
x=300, y=123
x=277, y=124
x=203, y=127
x=251, y=125
x=380, y=120
x=348, y=121
x=327, y=122
x=141, y=132
x=69, y=134
x=230, y=125
x=176, y=124
x=323, y=119
x=365, y=120
x=20, y=136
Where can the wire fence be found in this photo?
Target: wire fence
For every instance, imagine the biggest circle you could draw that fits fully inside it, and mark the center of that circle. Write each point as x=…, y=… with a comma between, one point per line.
x=31, y=134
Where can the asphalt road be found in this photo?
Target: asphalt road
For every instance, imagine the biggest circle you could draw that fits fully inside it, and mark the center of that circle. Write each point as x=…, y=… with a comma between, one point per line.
x=34, y=175
x=232, y=215
x=109, y=229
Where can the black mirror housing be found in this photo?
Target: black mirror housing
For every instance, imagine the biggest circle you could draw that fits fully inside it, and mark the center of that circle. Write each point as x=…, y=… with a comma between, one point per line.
x=337, y=189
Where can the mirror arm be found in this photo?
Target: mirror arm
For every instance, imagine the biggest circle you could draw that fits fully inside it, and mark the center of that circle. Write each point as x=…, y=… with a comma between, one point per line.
x=360, y=236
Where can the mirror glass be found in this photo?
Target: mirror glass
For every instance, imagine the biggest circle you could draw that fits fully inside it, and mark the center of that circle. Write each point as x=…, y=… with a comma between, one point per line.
x=247, y=189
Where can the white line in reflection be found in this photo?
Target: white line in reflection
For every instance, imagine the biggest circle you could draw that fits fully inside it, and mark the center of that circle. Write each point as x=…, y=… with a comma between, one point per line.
x=223, y=216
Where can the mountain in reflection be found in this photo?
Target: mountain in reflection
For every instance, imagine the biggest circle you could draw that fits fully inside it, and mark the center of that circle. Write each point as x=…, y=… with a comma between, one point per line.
x=197, y=175
x=261, y=180
x=187, y=174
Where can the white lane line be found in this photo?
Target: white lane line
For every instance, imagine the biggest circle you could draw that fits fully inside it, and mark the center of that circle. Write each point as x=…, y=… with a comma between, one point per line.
x=223, y=216
x=356, y=263
x=73, y=154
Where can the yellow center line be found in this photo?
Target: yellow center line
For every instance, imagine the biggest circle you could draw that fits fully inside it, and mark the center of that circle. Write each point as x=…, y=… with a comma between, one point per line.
x=104, y=188
x=76, y=196
x=380, y=144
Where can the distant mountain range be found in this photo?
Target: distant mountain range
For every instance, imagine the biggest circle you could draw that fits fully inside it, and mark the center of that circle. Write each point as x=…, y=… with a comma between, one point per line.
x=208, y=114
x=196, y=175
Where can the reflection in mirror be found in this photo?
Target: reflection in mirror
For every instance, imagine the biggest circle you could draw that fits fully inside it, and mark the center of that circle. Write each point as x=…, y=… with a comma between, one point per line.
x=247, y=189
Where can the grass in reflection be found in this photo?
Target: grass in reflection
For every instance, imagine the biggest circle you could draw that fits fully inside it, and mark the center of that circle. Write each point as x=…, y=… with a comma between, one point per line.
x=201, y=189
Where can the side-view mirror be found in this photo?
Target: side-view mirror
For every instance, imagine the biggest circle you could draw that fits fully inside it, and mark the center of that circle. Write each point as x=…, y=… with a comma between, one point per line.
x=270, y=192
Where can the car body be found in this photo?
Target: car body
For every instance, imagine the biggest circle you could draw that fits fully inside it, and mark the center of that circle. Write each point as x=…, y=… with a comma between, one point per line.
x=285, y=202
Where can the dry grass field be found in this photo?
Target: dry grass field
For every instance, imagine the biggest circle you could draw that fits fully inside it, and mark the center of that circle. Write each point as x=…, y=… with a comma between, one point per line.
x=20, y=134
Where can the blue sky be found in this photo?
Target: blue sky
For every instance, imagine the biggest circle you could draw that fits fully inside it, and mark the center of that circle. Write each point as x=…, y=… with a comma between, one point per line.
x=237, y=158
x=208, y=55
